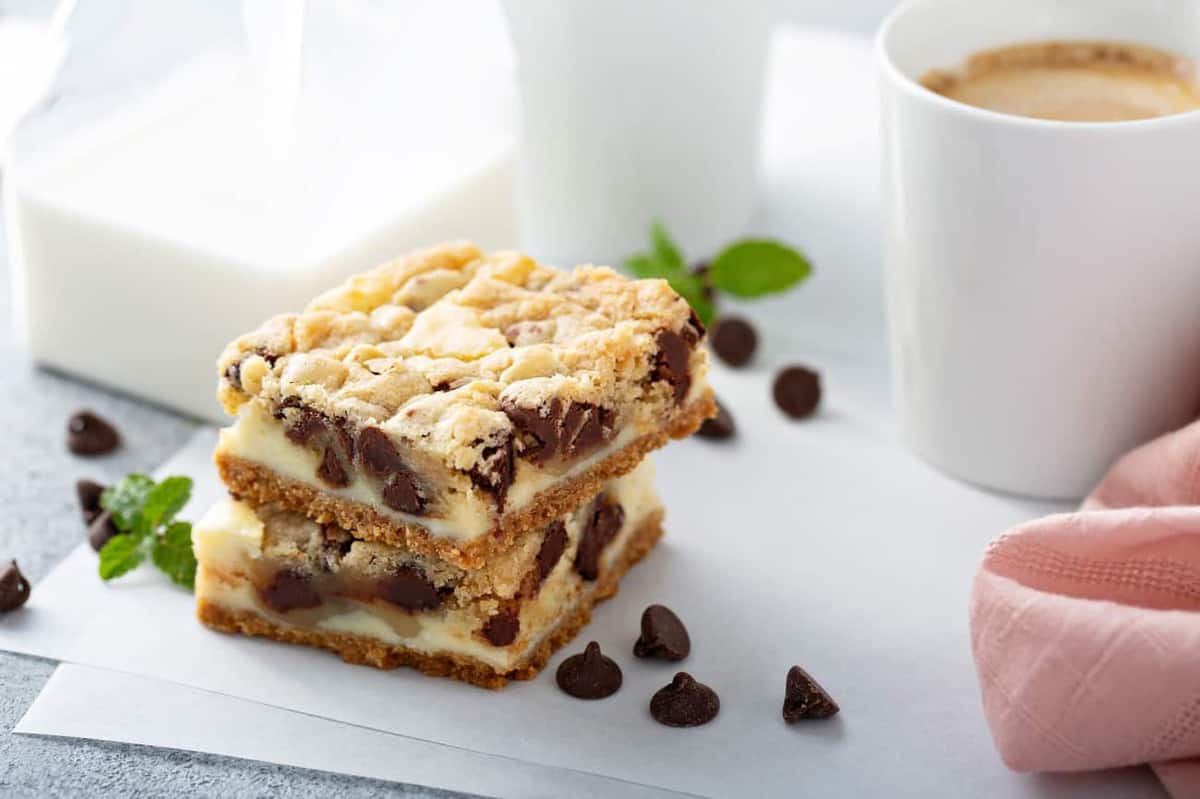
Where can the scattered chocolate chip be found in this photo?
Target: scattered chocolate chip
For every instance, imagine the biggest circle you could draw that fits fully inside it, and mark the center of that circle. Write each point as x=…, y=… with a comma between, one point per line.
x=671, y=362
x=494, y=472
x=553, y=545
x=377, y=453
x=804, y=698
x=409, y=588
x=602, y=526
x=797, y=391
x=733, y=340
x=101, y=530
x=502, y=629
x=88, y=492
x=331, y=469
x=685, y=703
x=663, y=635
x=590, y=675
x=290, y=590
x=88, y=434
x=720, y=426
x=233, y=375
x=14, y=588
x=402, y=493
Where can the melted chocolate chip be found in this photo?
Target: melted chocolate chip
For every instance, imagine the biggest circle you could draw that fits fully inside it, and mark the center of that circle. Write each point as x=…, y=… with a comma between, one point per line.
x=671, y=363
x=590, y=675
x=290, y=590
x=331, y=470
x=88, y=492
x=402, y=493
x=541, y=429
x=307, y=424
x=409, y=588
x=804, y=698
x=14, y=588
x=101, y=530
x=602, y=526
x=553, y=545
x=553, y=430
x=494, y=473
x=720, y=426
x=502, y=629
x=685, y=703
x=797, y=391
x=88, y=434
x=377, y=453
x=663, y=635
x=733, y=340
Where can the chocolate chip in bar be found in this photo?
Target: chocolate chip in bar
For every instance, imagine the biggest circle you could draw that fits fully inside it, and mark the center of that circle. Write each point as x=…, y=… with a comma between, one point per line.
x=88, y=434
x=378, y=454
x=331, y=470
x=554, y=543
x=14, y=588
x=671, y=363
x=502, y=629
x=797, y=391
x=494, y=472
x=720, y=426
x=556, y=430
x=602, y=526
x=804, y=698
x=401, y=493
x=685, y=703
x=290, y=590
x=101, y=530
x=410, y=589
x=88, y=493
x=590, y=675
x=733, y=340
x=663, y=635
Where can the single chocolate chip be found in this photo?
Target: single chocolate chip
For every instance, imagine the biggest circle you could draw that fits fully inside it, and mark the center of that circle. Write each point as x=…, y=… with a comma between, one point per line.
x=343, y=437
x=671, y=362
x=590, y=675
x=494, y=472
x=602, y=525
x=402, y=493
x=540, y=426
x=595, y=428
x=720, y=426
x=377, y=453
x=663, y=635
x=290, y=590
x=797, y=391
x=409, y=588
x=89, y=492
x=804, y=698
x=733, y=340
x=88, y=434
x=14, y=588
x=306, y=424
x=685, y=703
x=551, y=551
x=331, y=469
x=502, y=629
x=233, y=375
x=101, y=530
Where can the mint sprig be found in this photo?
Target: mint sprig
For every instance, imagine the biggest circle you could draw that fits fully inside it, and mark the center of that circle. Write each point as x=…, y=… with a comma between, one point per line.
x=748, y=268
x=144, y=512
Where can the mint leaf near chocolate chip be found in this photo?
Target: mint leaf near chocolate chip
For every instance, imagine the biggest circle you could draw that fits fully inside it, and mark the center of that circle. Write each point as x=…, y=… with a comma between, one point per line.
x=143, y=513
x=665, y=249
x=754, y=267
x=665, y=261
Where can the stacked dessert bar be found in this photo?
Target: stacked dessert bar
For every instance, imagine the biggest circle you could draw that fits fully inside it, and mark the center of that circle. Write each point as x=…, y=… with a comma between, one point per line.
x=442, y=463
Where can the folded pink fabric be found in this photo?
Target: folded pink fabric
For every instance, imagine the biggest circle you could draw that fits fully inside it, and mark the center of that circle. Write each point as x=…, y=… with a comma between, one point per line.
x=1086, y=626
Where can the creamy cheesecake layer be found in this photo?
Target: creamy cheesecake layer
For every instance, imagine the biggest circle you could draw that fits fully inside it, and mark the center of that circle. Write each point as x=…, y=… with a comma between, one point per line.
x=240, y=555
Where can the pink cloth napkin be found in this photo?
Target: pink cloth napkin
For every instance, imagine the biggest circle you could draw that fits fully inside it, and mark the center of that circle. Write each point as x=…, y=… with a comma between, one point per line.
x=1086, y=626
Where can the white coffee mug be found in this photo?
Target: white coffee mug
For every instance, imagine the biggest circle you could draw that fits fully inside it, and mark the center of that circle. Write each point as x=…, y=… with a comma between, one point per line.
x=1043, y=277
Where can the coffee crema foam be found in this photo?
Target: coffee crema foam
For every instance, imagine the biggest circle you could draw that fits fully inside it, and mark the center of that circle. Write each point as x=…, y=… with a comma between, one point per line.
x=1073, y=81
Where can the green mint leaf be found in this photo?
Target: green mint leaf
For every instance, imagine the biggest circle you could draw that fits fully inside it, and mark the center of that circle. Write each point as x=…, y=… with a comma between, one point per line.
x=754, y=267
x=645, y=266
x=125, y=499
x=165, y=500
x=665, y=251
x=121, y=555
x=691, y=288
x=172, y=553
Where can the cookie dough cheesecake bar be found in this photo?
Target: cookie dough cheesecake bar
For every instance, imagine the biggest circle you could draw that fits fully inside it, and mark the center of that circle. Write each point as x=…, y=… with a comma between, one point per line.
x=273, y=572
x=452, y=400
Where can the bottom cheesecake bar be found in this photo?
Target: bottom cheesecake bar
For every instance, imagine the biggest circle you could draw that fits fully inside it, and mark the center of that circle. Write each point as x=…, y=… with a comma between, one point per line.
x=269, y=572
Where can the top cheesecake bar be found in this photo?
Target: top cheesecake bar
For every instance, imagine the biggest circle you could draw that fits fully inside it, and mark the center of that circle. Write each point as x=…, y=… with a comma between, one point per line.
x=452, y=399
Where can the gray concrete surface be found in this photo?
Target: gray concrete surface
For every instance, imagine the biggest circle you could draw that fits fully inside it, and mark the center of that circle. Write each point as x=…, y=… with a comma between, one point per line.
x=39, y=524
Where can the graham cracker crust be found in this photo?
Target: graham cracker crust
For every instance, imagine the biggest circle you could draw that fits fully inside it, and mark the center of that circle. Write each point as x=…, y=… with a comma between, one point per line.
x=258, y=484
x=369, y=652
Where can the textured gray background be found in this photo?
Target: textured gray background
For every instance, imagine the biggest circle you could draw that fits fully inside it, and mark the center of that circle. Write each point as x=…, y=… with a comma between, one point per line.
x=39, y=525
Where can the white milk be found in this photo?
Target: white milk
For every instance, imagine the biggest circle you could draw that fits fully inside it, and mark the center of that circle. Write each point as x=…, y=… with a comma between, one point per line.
x=140, y=250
